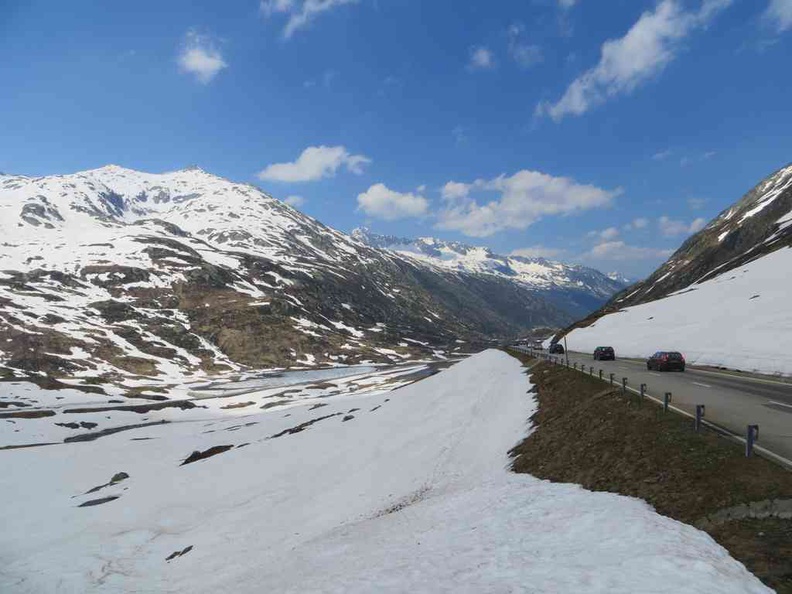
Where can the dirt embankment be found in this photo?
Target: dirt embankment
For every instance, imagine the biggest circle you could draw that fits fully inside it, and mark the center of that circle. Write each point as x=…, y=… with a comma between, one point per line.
x=589, y=434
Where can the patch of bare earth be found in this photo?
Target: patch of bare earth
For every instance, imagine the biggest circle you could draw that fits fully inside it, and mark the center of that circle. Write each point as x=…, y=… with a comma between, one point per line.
x=590, y=434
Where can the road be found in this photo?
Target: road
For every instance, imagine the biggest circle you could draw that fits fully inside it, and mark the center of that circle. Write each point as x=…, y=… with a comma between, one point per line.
x=732, y=401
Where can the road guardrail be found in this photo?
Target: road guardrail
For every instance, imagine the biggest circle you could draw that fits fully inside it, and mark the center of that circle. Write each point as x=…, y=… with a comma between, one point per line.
x=751, y=432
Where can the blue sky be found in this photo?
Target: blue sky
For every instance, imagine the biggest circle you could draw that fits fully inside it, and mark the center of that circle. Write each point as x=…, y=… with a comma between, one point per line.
x=596, y=132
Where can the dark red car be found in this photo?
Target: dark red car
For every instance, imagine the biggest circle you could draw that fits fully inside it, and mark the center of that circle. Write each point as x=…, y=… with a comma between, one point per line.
x=666, y=361
x=604, y=353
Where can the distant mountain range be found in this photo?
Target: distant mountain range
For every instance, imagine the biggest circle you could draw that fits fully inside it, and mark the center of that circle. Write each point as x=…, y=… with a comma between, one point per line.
x=575, y=289
x=115, y=275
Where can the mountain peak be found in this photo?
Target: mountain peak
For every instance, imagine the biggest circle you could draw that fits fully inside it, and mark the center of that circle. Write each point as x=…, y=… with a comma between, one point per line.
x=110, y=168
x=116, y=170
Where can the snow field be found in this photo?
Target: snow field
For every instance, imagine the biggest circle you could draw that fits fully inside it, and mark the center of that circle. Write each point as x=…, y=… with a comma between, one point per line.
x=386, y=492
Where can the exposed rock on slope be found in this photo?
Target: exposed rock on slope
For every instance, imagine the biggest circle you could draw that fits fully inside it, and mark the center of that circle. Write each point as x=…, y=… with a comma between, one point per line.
x=757, y=224
x=114, y=274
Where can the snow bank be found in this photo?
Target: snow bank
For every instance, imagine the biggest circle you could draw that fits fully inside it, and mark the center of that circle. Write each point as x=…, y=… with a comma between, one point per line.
x=394, y=492
x=740, y=319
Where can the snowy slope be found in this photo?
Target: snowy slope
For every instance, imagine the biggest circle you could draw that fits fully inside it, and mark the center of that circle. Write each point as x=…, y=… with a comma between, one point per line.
x=755, y=225
x=739, y=319
x=721, y=298
x=575, y=288
x=389, y=492
x=117, y=275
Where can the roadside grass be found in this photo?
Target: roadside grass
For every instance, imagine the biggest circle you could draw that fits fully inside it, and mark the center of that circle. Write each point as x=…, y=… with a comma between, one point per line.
x=589, y=433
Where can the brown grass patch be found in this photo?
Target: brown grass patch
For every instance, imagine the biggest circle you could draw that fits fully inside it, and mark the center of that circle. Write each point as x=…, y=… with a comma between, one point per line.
x=588, y=433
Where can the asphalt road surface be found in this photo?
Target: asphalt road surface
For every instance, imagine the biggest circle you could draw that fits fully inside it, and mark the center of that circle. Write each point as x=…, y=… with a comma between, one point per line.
x=732, y=400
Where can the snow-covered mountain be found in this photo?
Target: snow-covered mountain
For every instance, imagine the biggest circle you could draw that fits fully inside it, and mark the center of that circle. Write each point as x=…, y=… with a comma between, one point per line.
x=576, y=289
x=620, y=278
x=722, y=298
x=118, y=274
x=757, y=224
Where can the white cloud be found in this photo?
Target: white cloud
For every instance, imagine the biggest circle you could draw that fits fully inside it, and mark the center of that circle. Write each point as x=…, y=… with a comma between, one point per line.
x=605, y=235
x=381, y=202
x=639, y=223
x=524, y=54
x=671, y=228
x=625, y=63
x=327, y=78
x=538, y=251
x=690, y=160
x=295, y=201
x=779, y=13
x=481, y=58
x=696, y=203
x=270, y=7
x=522, y=199
x=566, y=4
x=300, y=12
x=315, y=162
x=200, y=57
x=453, y=190
x=661, y=155
x=459, y=135
x=618, y=251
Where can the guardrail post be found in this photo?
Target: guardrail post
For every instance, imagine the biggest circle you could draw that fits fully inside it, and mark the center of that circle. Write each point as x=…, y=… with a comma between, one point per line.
x=624, y=386
x=751, y=437
x=666, y=401
x=699, y=416
x=591, y=370
x=643, y=391
x=600, y=374
x=611, y=379
x=575, y=365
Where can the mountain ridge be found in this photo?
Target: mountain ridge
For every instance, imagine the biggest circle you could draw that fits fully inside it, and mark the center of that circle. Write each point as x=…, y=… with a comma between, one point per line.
x=757, y=224
x=575, y=288
x=116, y=275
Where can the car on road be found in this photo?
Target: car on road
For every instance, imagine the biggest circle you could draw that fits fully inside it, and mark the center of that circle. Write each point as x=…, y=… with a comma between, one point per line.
x=604, y=353
x=556, y=348
x=666, y=361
